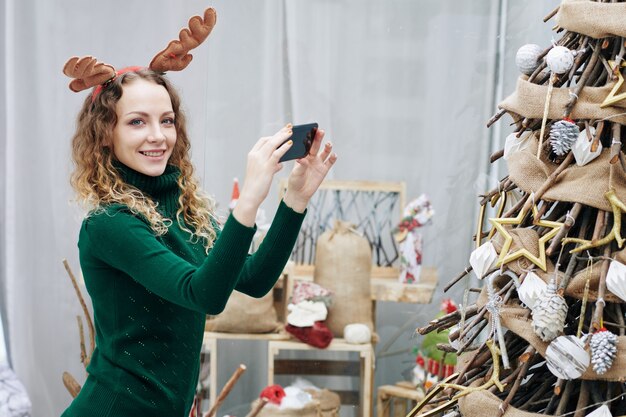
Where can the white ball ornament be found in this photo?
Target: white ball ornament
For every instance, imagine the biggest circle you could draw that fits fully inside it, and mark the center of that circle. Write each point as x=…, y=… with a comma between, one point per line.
x=357, y=334
x=560, y=60
x=526, y=58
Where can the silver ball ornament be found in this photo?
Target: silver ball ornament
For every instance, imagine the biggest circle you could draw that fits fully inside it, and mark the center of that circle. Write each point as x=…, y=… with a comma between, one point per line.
x=560, y=60
x=526, y=58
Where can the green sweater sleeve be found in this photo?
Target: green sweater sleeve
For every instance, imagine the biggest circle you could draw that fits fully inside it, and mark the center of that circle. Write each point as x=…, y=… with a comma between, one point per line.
x=123, y=241
x=263, y=268
x=127, y=244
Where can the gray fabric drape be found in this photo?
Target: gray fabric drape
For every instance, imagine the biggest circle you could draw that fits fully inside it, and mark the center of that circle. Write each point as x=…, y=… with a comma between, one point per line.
x=4, y=355
x=402, y=87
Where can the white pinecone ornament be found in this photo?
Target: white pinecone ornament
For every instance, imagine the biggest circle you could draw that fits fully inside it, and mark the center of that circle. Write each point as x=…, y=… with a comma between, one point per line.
x=603, y=350
x=563, y=135
x=549, y=314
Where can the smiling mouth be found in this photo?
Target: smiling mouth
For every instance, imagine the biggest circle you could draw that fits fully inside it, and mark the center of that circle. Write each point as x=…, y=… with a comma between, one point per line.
x=153, y=153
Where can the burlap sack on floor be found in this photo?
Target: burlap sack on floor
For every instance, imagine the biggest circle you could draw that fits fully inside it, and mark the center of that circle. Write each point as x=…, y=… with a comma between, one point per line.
x=310, y=410
x=343, y=265
x=245, y=314
x=598, y=20
x=330, y=403
x=529, y=99
x=587, y=184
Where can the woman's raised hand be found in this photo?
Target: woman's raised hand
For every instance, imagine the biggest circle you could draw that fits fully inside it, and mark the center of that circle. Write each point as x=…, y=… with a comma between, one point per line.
x=260, y=169
x=308, y=173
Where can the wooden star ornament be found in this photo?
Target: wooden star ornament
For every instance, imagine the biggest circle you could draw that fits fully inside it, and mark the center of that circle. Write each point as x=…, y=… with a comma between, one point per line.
x=613, y=97
x=506, y=257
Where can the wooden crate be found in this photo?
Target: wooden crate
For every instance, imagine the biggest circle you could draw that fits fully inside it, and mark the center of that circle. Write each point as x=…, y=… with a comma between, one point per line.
x=210, y=343
x=364, y=368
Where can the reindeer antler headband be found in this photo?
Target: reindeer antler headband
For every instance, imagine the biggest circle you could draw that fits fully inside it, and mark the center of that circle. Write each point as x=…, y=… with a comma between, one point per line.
x=88, y=72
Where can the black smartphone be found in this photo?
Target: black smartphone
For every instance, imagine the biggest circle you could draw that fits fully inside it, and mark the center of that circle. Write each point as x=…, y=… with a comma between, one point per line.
x=302, y=140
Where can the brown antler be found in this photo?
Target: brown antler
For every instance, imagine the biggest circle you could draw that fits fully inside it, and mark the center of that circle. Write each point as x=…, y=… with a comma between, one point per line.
x=176, y=56
x=87, y=72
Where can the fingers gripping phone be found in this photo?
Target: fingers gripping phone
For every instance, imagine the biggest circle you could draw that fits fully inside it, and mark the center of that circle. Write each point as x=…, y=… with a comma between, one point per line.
x=302, y=140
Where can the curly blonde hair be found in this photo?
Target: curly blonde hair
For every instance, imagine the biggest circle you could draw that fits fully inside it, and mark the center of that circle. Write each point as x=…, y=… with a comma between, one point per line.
x=98, y=183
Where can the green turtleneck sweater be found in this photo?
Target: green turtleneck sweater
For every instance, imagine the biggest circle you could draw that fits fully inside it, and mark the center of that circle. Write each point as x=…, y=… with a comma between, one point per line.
x=151, y=294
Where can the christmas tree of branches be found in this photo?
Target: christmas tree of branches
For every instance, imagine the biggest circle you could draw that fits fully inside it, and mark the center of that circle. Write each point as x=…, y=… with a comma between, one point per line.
x=546, y=333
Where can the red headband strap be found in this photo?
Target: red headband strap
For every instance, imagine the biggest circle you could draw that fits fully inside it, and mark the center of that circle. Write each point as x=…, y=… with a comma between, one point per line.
x=99, y=88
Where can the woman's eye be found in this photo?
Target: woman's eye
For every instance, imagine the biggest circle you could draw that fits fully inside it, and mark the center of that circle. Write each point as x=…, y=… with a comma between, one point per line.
x=135, y=122
x=169, y=121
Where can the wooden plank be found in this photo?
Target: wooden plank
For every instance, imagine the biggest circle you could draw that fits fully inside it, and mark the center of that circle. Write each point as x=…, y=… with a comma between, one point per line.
x=385, y=285
x=337, y=344
x=245, y=336
x=385, y=289
x=316, y=367
x=355, y=185
x=386, y=391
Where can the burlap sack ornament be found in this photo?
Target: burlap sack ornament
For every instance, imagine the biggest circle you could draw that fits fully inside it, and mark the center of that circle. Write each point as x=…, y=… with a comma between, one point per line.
x=529, y=100
x=343, y=265
x=595, y=19
x=245, y=314
x=312, y=409
x=586, y=185
x=484, y=403
x=576, y=286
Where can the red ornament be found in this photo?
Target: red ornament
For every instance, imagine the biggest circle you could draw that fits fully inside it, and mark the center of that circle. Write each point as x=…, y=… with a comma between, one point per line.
x=420, y=360
x=448, y=306
x=273, y=393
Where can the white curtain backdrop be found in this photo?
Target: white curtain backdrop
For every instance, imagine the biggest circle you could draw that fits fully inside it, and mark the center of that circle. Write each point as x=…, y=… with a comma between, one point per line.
x=403, y=89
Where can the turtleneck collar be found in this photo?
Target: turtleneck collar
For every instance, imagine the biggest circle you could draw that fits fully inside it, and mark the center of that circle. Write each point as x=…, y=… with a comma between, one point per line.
x=163, y=189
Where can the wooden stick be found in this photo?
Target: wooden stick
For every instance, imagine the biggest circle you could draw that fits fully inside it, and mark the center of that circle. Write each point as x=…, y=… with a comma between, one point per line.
x=70, y=383
x=591, y=63
x=81, y=334
x=564, y=402
x=596, y=139
x=567, y=225
x=525, y=360
x=441, y=322
x=496, y=155
x=600, y=303
x=620, y=319
x=226, y=390
x=505, y=184
x=258, y=407
x=550, y=181
x=496, y=117
x=551, y=14
x=616, y=143
x=517, y=207
x=92, y=340
x=459, y=277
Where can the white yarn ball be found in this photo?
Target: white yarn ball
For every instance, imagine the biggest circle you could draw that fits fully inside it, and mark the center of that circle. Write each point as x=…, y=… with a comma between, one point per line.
x=357, y=334
x=560, y=59
x=526, y=58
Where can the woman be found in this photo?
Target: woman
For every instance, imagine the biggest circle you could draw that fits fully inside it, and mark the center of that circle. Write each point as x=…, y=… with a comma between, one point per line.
x=154, y=260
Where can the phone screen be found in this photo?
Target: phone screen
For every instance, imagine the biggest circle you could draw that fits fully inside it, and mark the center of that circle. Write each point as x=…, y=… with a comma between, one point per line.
x=302, y=140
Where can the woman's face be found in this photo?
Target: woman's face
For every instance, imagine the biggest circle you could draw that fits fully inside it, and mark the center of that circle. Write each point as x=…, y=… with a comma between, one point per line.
x=145, y=133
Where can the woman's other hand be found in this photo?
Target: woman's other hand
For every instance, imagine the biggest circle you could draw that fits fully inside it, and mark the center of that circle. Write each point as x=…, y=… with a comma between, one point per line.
x=260, y=169
x=308, y=173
